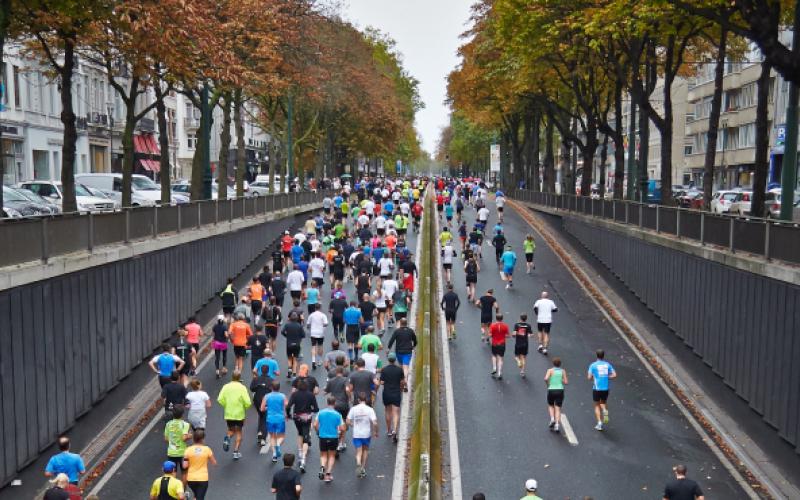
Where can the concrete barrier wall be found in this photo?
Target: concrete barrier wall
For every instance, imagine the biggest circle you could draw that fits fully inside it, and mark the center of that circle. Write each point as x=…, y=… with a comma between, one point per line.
x=68, y=339
x=744, y=326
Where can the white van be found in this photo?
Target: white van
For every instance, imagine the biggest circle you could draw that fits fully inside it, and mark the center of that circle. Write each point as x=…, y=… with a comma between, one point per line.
x=144, y=192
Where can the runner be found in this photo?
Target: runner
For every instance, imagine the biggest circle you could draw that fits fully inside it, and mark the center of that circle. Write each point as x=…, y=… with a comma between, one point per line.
x=529, y=246
x=197, y=406
x=167, y=486
x=450, y=304
x=330, y=428
x=509, y=260
x=544, y=309
x=353, y=320
x=448, y=253
x=471, y=269
x=448, y=212
x=165, y=363
x=193, y=334
x=393, y=380
x=239, y=332
x=336, y=309
x=499, y=333
x=499, y=244
x=294, y=333
x=176, y=433
x=184, y=350
x=65, y=462
x=228, y=297
x=682, y=488
x=500, y=202
x=317, y=322
x=599, y=373
x=274, y=406
x=286, y=483
x=174, y=394
x=488, y=305
x=446, y=237
x=260, y=387
x=271, y=317
x=401, y=301
x=301, y=407
x=256, y=293
x=220, y=345
x=286, y=248
x=362, y=419
x=361, y=380
x=555, y=379
x=522, y=330
x=235, y=400
x=268, y=363
x=337, y=386
x=257, y=345
x=530, y=490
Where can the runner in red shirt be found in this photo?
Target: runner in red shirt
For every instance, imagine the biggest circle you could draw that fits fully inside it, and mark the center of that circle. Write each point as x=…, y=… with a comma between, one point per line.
x=286, y=247
x=416, y=213
x=499, y=332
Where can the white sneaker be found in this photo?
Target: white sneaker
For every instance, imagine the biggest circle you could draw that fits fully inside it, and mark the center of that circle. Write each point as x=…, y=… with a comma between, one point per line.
x=599, y=426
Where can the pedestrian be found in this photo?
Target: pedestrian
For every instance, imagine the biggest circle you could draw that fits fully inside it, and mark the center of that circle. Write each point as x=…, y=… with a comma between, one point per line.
x=498, y=332
x=530, y=490
x=364, y=422
x=529, y=246
x=522, y=331
x=509, y=260
x=302, y=407
x=235, y=400
x=286, y=483
x=271, y=318
x=257, y=344
x=317, y=322
x=600, y=372
x=65, y=462
x=176, y=433
x=555, y=378
x=173, y=394
x=228, y=297
x=499, y=244
x=448, y=253
x=198, y=404
x=195, y=463
x=194, y=332
x=260, y=386
x=682, y=488
x=220, y=345
x=59, y=489
x=274, y=406
x=361, y=380
x=471, y=269
x=406, y=340
x=450, y=304
x=353, y=319
x=294, y=334
x=165, y=363
x=544, y=309
x=330, y=428
x=489, y=306
x=239, y=333
x=393, y=381
x=167, y=486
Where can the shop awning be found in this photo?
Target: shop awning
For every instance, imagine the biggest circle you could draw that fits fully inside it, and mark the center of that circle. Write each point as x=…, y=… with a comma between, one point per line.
x=152, y=144
x=140, y=145
x=151, y=165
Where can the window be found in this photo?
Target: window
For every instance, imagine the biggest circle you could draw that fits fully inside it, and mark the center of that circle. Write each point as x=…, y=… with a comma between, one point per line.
x=731, y=100
x=191, y=141
x=731, y=138
x=747, y=96
x=4, y=84
x=747, y=135
x=16, y=87
x=687, y=150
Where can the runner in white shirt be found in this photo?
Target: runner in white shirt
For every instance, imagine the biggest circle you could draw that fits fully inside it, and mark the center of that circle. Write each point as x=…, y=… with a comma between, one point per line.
x=483, y=215
x=389, y=287
x=362, y=419
x=448, y=252
x=385, y=193
x=315, y=244
x=544, y=309
x=381, y=305
x=405, y=208
x=317, y=269
x=396, y=196
x=385, y=266
x=316, y=323
x=370, y=207
x=380, y=225
x=500, y=202
x=371, y=360
x=300, y=237
x=294, y=282
x=363, y=220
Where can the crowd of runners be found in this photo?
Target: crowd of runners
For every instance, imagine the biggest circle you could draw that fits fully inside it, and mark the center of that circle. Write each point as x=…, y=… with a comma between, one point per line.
x=360, y=348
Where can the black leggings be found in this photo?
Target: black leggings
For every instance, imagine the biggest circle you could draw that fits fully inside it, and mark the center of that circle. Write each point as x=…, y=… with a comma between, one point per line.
x=199, y=488
x=223, y=353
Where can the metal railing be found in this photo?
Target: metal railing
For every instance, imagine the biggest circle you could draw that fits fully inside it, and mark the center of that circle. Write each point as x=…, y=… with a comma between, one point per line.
x=769, y=239
x=41, y=238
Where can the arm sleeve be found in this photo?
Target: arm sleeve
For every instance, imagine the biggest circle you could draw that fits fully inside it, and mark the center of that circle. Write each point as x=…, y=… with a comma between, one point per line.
x=391, y=340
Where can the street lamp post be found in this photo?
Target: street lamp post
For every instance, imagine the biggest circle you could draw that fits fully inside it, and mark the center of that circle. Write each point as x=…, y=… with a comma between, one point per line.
x=110, y=109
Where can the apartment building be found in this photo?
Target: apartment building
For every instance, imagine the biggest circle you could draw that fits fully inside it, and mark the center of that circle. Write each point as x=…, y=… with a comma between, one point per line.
x=33, y=134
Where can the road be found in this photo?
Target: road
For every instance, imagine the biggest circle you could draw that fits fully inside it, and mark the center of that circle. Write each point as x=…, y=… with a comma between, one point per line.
x=503, y=424
x=251, y=476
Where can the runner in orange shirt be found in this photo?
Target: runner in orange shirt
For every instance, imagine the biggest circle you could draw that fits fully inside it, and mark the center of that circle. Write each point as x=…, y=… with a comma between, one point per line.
x=256, y=296
x=239, y=332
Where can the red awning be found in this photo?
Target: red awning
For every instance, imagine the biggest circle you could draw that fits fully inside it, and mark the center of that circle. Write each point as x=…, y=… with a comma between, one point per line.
x=139, y=146
x=151, y=165
x=152, y=144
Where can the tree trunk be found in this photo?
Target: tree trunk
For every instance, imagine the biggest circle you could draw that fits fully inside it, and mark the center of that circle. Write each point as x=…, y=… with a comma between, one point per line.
x=224, y=147
x=666, y=146
x=588, y=151
x=527, y=149
x=619, y=145
x=202, y=150
x=536, y=146
x=601, y=182
x=163, y=144
x=713, y=122
x=69, y=204
x=549, y=175
x=274, y=163
x=5, y=14
x=644, y=152
x=762, y=143
x=567, y=181
x=241, y=155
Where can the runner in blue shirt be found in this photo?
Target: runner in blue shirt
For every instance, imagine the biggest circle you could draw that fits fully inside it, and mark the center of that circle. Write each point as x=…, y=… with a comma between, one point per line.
x=297, y=253
x=448, y=212
x=274, y=405
x=273, y=369
x=508, y=259
x=65, y=462
x=352, y=327
x=599, y=373
x=330, y=426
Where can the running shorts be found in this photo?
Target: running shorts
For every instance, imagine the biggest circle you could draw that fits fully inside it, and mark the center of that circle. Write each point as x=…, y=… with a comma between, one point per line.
x=521, y=350
x=361, y=442
x=391, y=399
x=317, y=340
x=528, y=257
x=351, y=334
x=239, y=351
x=555, y=397
x=296, y=294
x=303, y=430
x=486, y=319
x=543, y=327
x=293, y=351
x=328, y=444
x=276, y=427
x=508, y=271
x=178, y=461
x=447, y=266
x=449, y=314
x=499, y=350
x=599, y=396
x=235, y=424
x=404, y=359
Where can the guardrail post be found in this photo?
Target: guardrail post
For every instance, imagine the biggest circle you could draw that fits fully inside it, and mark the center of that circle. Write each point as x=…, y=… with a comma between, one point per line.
x=641, y=211
x=702, y=228
x=730, y=234
x=627, y=210
x=155, y=221
x=766, y=240
x=658, y=218
x=179, y=217
x=216, y=212
x=614, y=210
x=678, y=223
x=127, y=225
x=45, y=242
x=199, y=216
x=591, y=206
x=230, y=210
x=90, y=233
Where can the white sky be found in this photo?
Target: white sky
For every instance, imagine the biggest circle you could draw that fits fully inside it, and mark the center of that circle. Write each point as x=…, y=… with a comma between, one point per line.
x=427, y=34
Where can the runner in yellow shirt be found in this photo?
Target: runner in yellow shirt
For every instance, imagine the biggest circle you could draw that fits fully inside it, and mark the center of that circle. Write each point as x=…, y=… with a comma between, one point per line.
x=195, y=463
x=167, y=483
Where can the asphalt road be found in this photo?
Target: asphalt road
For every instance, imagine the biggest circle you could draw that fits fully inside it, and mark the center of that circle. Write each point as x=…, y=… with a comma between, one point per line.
x=503, y=424
x=251, y=476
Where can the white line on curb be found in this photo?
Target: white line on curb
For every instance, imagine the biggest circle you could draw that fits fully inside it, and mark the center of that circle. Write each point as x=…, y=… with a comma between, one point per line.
x=568, y=432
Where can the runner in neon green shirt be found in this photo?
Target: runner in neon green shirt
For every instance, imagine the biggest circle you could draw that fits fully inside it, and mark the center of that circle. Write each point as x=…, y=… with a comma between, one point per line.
x=528, y=246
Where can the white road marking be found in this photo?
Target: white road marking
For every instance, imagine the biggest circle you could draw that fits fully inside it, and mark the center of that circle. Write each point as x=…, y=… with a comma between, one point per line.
x=568, y=432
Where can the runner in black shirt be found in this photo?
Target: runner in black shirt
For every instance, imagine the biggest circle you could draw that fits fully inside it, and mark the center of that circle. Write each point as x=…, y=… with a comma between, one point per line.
x=522, y=331
x=392, y=379
x=294, y=333
x=367, y=310
x=488, y=305
x=682, y=488
x=265, y=278
x=450, y=304
x=278, y=287
x=336, y=309
x=337, y=267
x=406, y=342
x=302, y=407
x=471, y=269
x=277, y=260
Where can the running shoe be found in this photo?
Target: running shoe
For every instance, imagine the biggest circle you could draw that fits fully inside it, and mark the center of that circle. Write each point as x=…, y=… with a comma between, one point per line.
x=599, y=426
x=556, y=428
x=187, y=495
x=321, y=474
x=540, y=348
x=302, y=466
x=237, y=455
x=328, y=478
x=226, y=443
x=605, y=416
x=313, y=365
x=552, y=423
x=362, y=473
x=544, y=351
x=274, y=458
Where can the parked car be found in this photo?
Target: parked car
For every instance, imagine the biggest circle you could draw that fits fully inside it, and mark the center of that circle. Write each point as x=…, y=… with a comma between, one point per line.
x=102, y=193
x=653, y=191
x=260, y=188
x=772, y=204
x=691, y=199
x=742, y=203
x=85, y=200
x=144, y=192
x=183, y=187
x=54, y=209
x=16, y=205
x=722, y=200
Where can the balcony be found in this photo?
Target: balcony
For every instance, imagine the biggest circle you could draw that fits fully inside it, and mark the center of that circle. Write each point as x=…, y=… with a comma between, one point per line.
x=191, y=123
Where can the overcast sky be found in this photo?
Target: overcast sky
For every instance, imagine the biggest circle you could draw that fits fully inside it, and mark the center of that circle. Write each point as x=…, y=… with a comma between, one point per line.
x=427, y=34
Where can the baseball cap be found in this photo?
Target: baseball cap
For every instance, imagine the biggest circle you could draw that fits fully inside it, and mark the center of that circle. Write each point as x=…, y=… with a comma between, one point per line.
x=169, y=466
x=530, y=485
x=391, y=356
x=286, y=232
x=220, y=317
